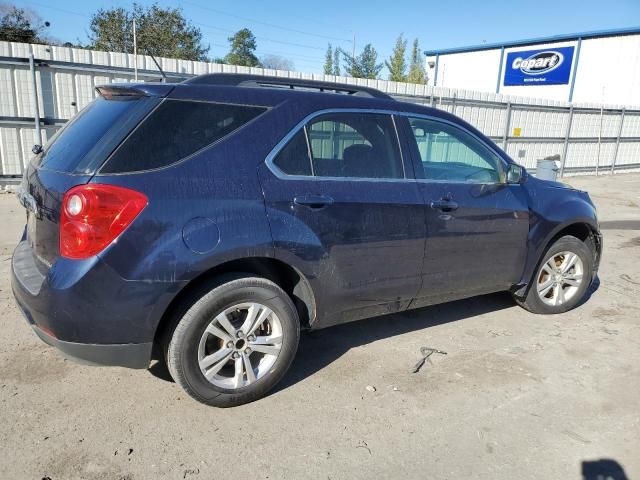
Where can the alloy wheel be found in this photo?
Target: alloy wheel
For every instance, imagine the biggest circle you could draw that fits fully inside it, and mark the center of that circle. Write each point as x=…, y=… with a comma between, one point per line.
x=240, y=345
x=560, y=278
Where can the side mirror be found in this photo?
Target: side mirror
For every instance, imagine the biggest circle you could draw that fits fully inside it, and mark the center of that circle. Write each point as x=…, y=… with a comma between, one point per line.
x=515, y=174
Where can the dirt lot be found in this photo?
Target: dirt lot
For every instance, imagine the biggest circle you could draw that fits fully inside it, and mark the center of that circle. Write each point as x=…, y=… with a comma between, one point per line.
x=517, y=396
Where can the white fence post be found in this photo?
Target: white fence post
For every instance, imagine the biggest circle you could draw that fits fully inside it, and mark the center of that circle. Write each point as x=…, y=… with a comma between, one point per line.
x=599, y=140
x=507, y=126
x=615, y=152
x=565, y=150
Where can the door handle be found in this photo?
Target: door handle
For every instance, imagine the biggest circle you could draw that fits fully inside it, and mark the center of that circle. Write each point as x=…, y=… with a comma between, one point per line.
x=444, y=205
x=314, y=202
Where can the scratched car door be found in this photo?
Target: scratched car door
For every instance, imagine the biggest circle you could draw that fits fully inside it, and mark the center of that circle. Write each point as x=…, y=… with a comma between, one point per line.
x=338, y=200
x=477, y=224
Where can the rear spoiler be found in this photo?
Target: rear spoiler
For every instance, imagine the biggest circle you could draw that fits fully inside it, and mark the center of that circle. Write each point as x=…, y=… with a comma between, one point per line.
x=131, y=90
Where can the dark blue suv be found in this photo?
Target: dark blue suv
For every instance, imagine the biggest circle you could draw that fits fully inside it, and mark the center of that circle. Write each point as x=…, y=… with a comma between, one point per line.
x=208, y=222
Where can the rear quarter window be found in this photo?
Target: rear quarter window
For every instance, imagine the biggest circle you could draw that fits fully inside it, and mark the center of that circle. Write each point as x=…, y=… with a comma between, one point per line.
x=175, y=130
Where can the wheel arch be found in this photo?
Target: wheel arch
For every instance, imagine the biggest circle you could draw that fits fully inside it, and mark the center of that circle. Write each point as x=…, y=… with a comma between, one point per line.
x=290, y=279
x=584, y=229
x=581, y=229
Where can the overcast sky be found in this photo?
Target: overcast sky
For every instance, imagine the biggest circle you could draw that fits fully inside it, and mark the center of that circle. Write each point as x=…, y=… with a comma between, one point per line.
x=300, y=30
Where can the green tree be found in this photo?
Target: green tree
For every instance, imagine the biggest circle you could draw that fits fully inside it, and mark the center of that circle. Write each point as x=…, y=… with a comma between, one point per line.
x=397, y=64
x=364, y=65
x=416, y=67
x=328, y=61
x=243, y=47
x=336, y=62
x=162, y=32
x=21, y=25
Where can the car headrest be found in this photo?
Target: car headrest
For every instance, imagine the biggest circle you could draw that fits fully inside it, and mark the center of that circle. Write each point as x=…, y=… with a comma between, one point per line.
x=361, y=160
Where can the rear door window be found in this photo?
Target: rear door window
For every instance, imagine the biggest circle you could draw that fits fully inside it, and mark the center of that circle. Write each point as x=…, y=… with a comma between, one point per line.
x=176, y=130
x=354, y=145
x=345, y=144
x=293, y=159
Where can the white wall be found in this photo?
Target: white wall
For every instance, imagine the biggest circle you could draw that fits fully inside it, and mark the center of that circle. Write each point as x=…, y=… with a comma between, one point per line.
x=471, y=70
x=610, y=64
x=608, y=72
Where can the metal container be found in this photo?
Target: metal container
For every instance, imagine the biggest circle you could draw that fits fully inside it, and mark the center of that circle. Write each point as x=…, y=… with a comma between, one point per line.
x=547, y=168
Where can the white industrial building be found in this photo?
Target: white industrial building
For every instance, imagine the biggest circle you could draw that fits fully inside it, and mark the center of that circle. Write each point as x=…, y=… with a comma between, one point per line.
x=595, y=67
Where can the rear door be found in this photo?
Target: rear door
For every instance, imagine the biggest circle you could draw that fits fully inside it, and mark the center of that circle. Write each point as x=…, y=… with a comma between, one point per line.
x=343, y=208
x=477, y=224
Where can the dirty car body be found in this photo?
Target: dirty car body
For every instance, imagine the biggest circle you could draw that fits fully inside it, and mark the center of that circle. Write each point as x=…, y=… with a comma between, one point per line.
x=281, y=183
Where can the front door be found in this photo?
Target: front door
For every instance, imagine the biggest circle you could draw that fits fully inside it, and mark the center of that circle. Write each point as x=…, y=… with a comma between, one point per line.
x=343, y=211
x=477, y=224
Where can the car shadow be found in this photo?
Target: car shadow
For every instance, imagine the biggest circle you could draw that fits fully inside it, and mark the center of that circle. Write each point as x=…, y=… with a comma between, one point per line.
x=319, y=348
x=593, y=288
x=603, y=469
x=159, y=370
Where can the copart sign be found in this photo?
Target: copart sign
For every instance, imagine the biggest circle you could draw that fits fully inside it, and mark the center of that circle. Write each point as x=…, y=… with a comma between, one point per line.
x=549, y=66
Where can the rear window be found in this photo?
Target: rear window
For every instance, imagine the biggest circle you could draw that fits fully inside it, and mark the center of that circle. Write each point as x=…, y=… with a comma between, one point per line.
x=84, y=142
x=175, y=130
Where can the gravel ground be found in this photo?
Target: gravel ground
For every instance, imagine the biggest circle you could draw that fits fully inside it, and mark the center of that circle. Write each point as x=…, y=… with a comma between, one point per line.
x=517, y=395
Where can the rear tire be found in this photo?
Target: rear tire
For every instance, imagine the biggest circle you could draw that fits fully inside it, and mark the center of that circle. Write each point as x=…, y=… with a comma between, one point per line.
x=235, y=343
x=561, y=279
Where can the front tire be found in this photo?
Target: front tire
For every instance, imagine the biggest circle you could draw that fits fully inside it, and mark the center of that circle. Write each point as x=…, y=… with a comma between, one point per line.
x=562, y=278
x=235, y=343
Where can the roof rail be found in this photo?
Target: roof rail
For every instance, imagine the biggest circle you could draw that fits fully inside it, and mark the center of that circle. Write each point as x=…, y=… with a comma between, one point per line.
x=248, y=80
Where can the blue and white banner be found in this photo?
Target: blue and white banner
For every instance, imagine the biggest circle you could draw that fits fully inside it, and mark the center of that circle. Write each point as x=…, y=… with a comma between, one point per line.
x=548, y=66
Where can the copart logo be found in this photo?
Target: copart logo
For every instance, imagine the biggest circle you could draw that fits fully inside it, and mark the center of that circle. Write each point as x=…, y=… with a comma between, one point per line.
x=541, y=62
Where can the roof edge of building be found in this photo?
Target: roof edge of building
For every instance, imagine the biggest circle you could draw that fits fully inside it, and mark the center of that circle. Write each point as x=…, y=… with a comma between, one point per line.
x=535, y=41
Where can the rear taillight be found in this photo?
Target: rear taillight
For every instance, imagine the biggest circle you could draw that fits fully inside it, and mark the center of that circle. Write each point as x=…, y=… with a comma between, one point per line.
x=94, y=215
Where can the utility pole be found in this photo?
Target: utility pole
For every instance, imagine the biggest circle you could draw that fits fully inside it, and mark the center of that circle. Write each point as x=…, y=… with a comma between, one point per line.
x=135, y=52
x=353, y=48
x=34, y=96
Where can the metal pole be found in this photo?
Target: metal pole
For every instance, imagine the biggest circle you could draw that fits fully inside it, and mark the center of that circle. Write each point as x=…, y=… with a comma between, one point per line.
x=135, y=52
x=36, y=106
x=507, y=126
x=575, y=70
x=453, y=104
x=615, y=153
x=435, y=75
x=353, y=48
x=566, y=142
x=599, y=140
x=164, y=76
x=500, y=70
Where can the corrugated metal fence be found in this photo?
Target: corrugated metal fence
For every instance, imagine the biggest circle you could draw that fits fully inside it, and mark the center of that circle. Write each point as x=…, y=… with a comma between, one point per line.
x=588, y=137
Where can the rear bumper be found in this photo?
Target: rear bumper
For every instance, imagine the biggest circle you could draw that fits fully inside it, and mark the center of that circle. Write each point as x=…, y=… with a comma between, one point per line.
x=133, y=355
x=88, y=311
